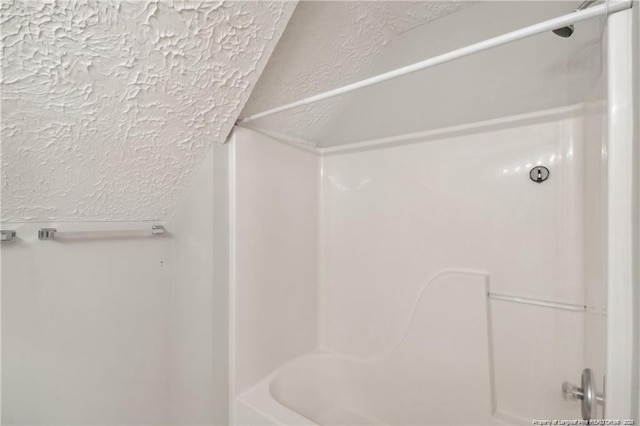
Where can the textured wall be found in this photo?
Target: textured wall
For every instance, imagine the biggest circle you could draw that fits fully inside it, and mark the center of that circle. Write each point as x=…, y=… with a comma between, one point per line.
x=107, y=106
x=327, y=45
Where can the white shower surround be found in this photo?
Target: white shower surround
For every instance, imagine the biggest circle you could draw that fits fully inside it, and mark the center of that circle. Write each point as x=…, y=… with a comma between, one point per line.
x=386, y=227
x=386, y=219
x=386, y=222
x=109, y=106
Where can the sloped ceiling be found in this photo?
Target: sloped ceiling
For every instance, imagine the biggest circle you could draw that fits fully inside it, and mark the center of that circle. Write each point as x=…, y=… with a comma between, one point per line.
x=327, y=45
x=108, y=106
x=322, y=51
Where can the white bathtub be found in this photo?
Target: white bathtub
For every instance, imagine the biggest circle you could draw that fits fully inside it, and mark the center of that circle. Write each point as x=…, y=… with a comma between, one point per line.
x=437, y=373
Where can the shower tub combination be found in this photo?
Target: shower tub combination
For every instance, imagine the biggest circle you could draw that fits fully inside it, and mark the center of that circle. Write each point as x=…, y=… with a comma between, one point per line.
x=425, y=278
x=394, y=386
x=397, y=348
x=434, y=277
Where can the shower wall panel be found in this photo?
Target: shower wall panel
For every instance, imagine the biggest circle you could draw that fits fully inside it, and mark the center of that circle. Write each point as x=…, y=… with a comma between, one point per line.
x=275, y=207
x=394, y=216
x=594, y=188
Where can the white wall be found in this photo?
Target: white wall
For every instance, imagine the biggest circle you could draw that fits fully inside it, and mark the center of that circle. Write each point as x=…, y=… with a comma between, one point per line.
x=393, y=217
x=275, y=199
x=199, y=299
x=101, y=330
x=85, y=327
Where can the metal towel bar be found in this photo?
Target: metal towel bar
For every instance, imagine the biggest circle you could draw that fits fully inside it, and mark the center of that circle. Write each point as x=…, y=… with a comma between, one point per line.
x=51, y=233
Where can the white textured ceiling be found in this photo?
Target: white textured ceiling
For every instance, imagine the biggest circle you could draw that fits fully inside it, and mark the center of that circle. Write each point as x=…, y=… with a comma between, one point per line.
x=329, y=44
x=108, y=106
x=531, y=75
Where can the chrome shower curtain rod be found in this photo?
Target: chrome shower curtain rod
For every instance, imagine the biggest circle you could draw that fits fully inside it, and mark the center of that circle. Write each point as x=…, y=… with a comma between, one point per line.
x=610, y=6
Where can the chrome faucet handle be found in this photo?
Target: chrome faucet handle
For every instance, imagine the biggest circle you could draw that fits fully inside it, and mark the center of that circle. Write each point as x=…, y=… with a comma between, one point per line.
x=587, y=394
x=571, y=392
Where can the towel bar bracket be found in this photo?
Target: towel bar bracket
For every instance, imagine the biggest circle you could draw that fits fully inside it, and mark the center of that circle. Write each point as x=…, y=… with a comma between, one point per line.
x=7, y=236
x=47, y=233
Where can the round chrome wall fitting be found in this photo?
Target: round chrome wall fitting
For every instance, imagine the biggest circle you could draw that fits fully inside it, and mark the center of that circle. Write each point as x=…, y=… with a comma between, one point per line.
x=539, y=174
